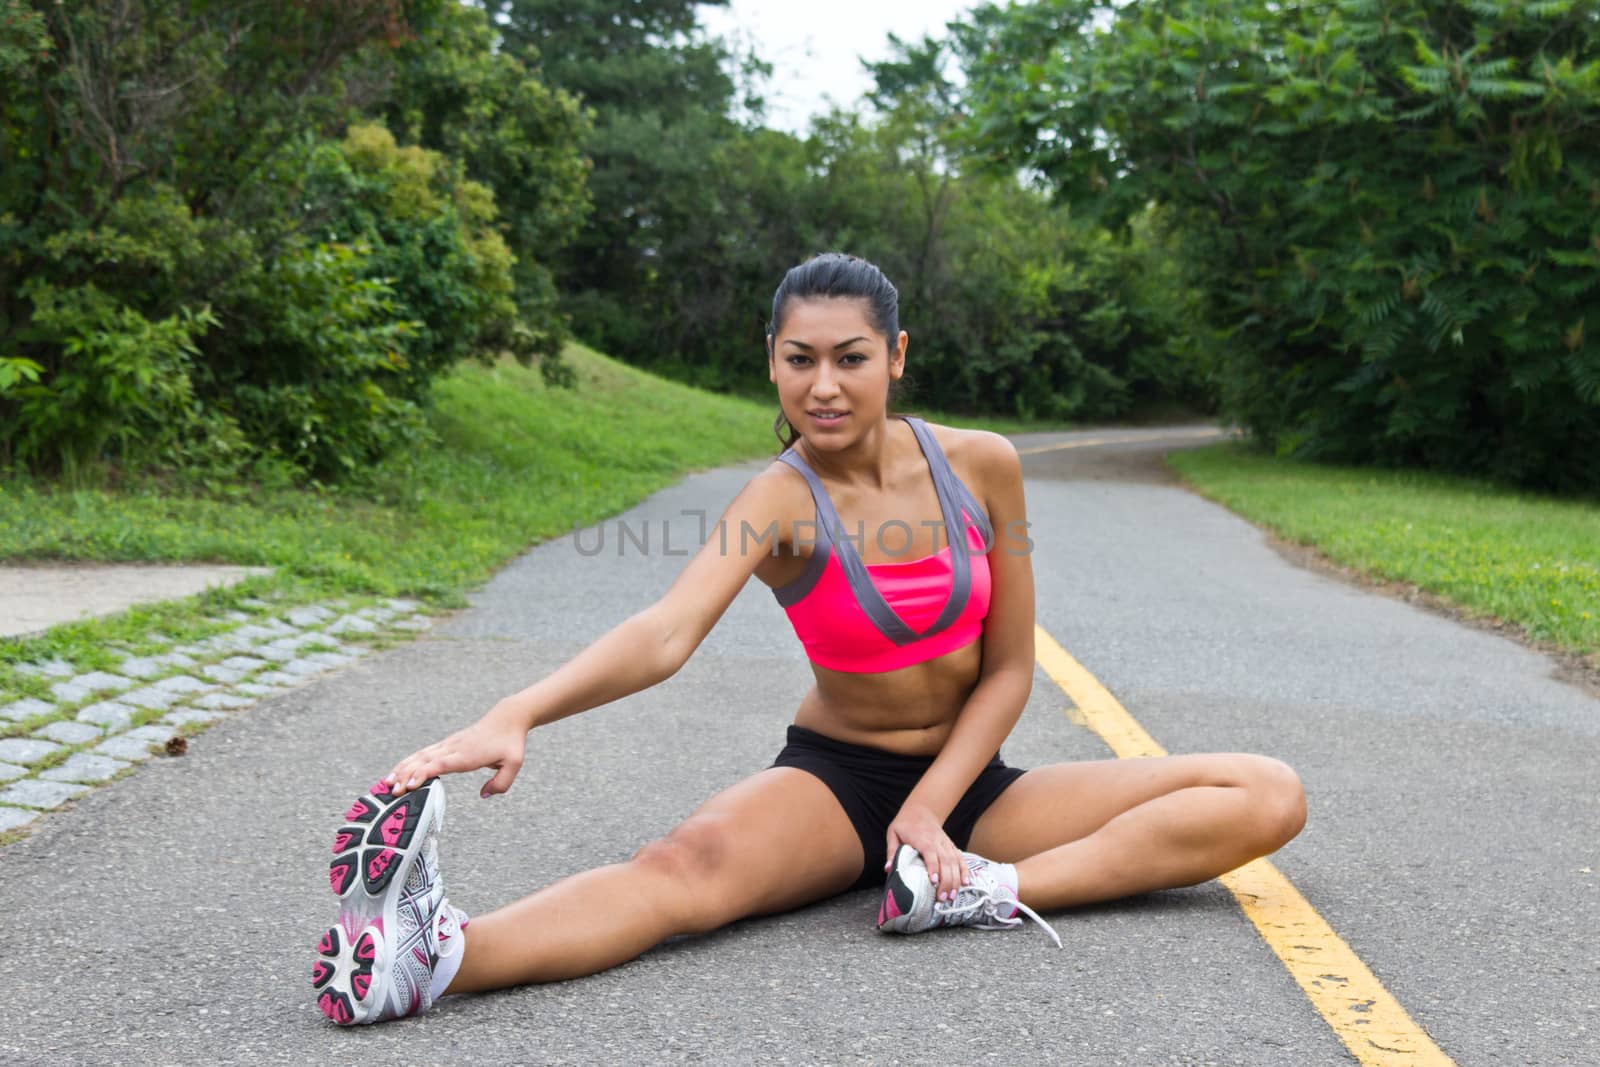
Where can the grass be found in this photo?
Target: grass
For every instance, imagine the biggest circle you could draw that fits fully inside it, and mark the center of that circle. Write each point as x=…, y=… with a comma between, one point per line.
x=1522, y=558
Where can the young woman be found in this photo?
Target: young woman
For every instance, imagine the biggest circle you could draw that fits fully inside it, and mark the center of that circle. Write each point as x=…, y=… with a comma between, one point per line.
x=903, y=565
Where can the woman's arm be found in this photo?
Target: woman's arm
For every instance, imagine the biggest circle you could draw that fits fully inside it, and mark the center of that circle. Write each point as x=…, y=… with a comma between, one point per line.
x=640, y=652
x=1006, y=677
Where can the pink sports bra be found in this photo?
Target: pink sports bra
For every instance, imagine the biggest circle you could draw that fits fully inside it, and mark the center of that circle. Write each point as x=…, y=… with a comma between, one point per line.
x=867, y=617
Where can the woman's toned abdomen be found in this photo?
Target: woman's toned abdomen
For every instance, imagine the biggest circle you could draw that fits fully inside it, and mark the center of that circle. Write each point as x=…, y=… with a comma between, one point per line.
x=910, y=711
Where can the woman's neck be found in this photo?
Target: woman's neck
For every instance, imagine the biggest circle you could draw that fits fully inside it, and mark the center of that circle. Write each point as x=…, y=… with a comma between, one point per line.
x=867, y=462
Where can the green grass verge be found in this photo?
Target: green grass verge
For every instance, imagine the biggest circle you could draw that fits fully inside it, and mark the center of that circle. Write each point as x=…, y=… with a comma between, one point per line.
x=518, y=462
x=1529, y=560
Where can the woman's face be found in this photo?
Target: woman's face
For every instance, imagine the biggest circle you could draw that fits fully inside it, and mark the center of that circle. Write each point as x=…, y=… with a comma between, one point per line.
x=833, y=369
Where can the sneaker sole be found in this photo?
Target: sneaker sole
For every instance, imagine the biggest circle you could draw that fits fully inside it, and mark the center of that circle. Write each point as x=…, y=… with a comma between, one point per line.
x=382, y=837
x=342, y=975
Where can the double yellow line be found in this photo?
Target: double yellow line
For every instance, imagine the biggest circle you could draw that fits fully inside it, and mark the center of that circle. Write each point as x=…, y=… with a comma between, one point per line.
x=1370, y=1022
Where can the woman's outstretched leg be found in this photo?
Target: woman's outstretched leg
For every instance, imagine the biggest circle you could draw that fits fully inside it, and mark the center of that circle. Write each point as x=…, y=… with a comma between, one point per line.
x=1080, y=833
x=772, y=842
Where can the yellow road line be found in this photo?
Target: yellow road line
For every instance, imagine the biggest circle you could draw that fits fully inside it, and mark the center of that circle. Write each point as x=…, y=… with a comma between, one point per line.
x=1370, y=1022
x=1085, y=442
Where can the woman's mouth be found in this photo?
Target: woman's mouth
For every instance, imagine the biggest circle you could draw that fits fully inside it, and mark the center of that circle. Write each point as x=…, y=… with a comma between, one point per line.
x=827, y=415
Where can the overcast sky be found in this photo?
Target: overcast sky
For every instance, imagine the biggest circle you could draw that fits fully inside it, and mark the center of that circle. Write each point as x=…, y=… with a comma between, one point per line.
x=815, y=46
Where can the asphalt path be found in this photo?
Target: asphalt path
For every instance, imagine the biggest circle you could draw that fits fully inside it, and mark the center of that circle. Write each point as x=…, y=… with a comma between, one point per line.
x=170, y=918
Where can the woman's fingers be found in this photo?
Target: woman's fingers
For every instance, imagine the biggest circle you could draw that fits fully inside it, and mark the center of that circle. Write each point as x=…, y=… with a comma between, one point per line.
x=951, y=872
x=417, y=768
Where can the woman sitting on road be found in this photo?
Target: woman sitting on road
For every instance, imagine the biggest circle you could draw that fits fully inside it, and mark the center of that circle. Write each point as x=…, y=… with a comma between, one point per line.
x=891, y=776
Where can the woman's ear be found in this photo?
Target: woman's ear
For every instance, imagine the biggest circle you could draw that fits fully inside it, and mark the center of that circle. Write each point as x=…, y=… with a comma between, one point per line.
x=897, y=357
x=772, y=363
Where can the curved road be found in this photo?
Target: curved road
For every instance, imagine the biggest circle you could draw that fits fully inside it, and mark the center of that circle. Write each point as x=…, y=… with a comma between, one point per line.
x=1452, y=838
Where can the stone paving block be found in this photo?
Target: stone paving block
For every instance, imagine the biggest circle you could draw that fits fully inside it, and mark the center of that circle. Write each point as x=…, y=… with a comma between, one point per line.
x=137, y=667
x=351, y=624
x=309, y=616
x=415, y=622
x=278, y=678
x=108, y=714
x=125, y=747
x=255, y=689
x=150, y=666
x=153, y=734
x=237, y=616
x=36, y=793
x=244, y=663
x=10, y=772
x=166, y=692
x=15, y=818
x=152, y=699
x=205, y=648
x=54, y=668
x=86, y=685
x=222, y=675
x=187, y=716
x=26, y=749
x=303, y=668
x=401, y=605
x=84, y=767
x=222, y=700
x=266, y=630
x=182, y=683
x=69, y=732
x=25, y=708
x=299, y=641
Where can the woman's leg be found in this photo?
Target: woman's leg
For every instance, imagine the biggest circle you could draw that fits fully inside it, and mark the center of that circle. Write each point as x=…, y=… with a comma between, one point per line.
x=770, y=843
x=1085, y=832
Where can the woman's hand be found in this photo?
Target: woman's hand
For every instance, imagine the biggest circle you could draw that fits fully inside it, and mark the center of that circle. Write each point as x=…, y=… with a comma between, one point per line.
x=920, y=828
x=497, y=740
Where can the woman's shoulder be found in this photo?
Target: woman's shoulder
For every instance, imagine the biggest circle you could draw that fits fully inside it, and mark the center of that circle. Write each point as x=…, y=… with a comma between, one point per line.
x=984, y=454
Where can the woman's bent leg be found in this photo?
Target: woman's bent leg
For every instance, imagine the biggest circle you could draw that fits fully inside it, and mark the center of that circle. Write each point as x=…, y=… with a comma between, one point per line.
x=773, y=842
x=1086, y=832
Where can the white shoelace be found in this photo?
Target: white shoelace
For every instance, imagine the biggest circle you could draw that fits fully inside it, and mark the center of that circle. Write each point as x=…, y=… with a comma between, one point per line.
x=975, y=900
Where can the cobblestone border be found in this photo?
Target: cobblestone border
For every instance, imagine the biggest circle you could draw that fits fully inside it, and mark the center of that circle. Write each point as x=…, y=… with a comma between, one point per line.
x=98, y=724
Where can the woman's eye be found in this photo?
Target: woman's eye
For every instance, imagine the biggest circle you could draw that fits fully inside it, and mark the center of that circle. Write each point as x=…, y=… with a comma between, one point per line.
x=855, y=357
x=798, y=361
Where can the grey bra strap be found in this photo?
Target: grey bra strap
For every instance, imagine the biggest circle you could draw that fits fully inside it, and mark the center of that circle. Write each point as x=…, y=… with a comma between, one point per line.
x=795, y=591
x=948, y=484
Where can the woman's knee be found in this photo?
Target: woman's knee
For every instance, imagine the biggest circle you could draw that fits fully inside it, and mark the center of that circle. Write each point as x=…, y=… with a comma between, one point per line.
x=690, y=865
x=1278, y=800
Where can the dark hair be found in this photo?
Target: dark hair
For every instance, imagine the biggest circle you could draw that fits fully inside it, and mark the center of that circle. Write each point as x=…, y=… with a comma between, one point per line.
x=840, y=276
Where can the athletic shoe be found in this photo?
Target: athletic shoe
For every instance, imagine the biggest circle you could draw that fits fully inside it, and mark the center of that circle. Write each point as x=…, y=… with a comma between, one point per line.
x=395, y=925
x=987, y=902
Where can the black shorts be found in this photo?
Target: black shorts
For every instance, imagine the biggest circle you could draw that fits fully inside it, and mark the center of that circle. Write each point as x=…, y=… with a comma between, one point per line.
x=871, y=784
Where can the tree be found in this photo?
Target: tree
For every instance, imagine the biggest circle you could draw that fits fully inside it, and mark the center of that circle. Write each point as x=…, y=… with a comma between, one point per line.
x=1391, y=207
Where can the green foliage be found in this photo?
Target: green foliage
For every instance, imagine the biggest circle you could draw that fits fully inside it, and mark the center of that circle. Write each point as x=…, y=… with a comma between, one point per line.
x=213, y=279
x=322, y=379
x=1391, y=207
x=122, y=379
x=458, y=92
x=1012, y=307
x=661, y=100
